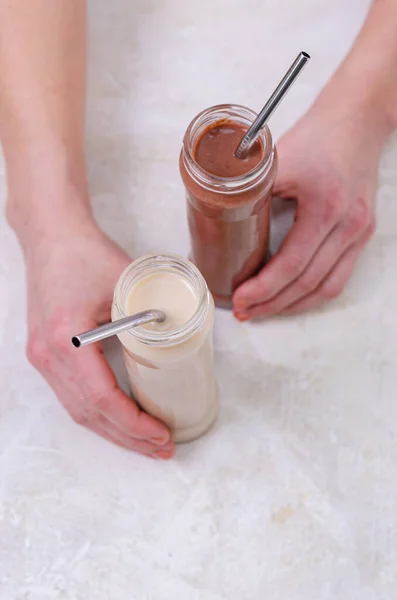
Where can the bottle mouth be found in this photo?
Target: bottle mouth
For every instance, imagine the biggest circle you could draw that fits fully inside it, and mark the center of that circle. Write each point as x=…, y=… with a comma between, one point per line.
x=235, y=113
x=160, y=263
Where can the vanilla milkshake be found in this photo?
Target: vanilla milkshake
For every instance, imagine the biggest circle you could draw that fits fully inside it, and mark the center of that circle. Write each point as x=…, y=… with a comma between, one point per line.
x=170, y=364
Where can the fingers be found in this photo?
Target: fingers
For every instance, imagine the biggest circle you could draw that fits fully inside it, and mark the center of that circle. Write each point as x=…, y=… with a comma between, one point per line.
x=87, y=387
x=124, y=414
x=327, y=256
x=99, y=386
x=106, y=430
x=330, y=288
x=333, y=285
x=296, y=252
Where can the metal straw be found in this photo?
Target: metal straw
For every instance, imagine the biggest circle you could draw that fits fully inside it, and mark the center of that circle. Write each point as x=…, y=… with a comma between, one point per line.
x=105, y=331
x=246, y=143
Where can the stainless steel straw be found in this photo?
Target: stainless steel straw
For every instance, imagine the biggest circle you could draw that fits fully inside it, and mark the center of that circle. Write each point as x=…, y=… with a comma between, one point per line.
x=105, y=331
x=244, y=146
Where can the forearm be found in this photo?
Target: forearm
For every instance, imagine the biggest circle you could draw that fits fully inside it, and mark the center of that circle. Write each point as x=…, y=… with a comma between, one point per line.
x=365, y=85
x=42, y=104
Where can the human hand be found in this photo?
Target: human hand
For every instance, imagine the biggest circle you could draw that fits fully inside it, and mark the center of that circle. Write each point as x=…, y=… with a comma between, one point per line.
x=70, y=278
x=329, y=163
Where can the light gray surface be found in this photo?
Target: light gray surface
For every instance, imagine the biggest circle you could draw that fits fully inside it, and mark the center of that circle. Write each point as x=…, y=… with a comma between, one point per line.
x=293, y=495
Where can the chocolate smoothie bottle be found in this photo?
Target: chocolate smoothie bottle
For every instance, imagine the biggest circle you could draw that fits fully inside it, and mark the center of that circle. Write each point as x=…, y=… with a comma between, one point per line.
x=228, y=199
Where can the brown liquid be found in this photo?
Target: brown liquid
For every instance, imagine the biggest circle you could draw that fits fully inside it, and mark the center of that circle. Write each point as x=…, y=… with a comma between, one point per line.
x=229, y=231
x=214, y=151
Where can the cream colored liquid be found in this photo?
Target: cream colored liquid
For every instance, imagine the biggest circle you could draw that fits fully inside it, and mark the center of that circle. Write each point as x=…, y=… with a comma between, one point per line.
x=174, y=383
x=167, y=292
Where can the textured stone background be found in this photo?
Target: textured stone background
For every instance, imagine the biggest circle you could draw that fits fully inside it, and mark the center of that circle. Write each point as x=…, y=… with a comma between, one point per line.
x=292, y=496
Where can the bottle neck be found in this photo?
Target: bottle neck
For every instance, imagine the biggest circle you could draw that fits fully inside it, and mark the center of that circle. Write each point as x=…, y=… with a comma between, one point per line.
x=226, y=185
x=151, y=265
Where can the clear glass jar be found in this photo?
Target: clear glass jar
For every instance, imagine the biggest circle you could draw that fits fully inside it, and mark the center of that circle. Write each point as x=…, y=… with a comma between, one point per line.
x=171, y=373
x=229, y=218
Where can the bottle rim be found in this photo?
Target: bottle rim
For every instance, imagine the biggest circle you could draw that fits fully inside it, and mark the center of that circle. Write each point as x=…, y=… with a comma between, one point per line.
x=154, y=263
x=226, y=185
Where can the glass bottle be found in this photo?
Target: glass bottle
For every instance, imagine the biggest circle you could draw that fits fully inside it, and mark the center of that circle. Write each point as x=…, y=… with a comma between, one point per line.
x=229, y=218
x=171, y=373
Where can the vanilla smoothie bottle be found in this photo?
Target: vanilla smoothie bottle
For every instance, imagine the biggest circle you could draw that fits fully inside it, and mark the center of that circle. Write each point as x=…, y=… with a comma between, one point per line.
x=170, y=364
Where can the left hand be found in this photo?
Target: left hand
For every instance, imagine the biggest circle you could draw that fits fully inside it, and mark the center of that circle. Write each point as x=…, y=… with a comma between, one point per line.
x=72, y=268
x=329, y=163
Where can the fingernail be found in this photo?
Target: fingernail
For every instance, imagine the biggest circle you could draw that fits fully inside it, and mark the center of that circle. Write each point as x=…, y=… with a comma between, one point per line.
x=240, y=308
x=241, y=316
x=160, y=441
x=240, y=303
x=163, y=454
x=244, y=305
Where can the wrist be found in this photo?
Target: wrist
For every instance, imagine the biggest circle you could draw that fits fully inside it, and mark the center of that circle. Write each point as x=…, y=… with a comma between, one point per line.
x=364, y=86
x=363, y=111
x=56, y=219
x=47, y=187
x=49, y=213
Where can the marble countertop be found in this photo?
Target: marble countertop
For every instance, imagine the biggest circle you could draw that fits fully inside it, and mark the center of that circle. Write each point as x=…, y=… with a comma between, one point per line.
x=292, y=496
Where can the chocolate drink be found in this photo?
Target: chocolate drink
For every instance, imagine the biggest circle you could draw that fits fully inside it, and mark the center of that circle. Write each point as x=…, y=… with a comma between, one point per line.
x=228, y=198
x=214, y=150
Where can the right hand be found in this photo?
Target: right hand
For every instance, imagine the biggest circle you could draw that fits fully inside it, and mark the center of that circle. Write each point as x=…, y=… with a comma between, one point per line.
x=70, y=277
